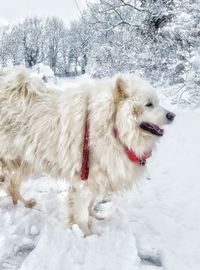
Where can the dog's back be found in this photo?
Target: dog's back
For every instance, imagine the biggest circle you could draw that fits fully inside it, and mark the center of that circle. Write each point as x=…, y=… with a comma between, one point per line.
x=26, y=107
x=39, y=125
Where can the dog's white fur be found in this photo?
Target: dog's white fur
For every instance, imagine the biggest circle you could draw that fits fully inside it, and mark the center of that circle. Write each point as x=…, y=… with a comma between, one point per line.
x=42, y=130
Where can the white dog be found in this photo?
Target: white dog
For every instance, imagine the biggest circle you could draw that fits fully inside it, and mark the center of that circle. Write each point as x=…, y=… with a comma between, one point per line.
x=98, y=136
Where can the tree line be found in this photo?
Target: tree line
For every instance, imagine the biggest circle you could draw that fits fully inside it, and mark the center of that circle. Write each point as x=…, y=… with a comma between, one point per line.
x=157, y=38
x=38, y=40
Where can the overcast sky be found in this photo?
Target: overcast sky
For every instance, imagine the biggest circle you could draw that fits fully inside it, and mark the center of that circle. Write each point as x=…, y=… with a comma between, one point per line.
x=15, y=10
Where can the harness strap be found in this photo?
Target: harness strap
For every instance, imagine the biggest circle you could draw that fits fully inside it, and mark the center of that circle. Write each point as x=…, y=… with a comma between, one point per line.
x=85, y=153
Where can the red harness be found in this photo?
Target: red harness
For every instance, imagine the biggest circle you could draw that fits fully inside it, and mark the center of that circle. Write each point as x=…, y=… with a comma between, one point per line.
x=85, y=155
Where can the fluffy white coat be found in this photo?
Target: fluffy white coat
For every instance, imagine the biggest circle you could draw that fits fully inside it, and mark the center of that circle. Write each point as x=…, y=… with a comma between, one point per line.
x=42, y=131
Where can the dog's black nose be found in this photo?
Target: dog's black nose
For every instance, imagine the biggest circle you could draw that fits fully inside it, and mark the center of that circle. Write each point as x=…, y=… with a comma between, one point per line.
x=170, y=116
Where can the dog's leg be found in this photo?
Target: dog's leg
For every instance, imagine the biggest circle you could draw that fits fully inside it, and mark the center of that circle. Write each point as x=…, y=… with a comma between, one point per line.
x=12, y=174
x=13, y=189
x=79, y=200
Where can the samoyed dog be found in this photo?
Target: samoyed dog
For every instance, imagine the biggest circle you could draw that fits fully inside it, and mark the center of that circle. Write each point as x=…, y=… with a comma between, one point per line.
x=98, y=136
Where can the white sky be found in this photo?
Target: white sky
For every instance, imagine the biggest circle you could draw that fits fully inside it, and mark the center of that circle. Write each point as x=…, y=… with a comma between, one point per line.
x=15, y=10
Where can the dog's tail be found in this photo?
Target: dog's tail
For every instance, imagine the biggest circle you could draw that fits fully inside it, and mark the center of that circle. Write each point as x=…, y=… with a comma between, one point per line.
x=19, y=82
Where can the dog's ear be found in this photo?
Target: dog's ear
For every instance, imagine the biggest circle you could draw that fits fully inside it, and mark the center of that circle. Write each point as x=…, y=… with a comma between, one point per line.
x=120, y=90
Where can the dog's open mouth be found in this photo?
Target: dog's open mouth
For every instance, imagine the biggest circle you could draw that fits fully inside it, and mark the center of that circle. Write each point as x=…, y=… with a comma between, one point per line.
x=152, y=128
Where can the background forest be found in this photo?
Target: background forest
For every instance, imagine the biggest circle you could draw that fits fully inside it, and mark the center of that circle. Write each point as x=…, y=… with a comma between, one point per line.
x=159, y=39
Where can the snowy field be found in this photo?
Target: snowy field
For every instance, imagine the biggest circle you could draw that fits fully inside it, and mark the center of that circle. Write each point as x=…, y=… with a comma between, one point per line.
x=155, y=226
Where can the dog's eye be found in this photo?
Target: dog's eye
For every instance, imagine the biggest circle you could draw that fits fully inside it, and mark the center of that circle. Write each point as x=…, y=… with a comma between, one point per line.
x=149, y=104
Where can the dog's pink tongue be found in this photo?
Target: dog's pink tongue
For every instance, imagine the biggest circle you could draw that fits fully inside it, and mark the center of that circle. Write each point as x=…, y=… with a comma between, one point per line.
x=157, y=129
x=152, y=128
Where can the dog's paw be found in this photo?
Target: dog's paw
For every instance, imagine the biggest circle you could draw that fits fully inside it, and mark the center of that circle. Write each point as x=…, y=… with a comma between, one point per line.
x=30, y=203
x=81, y=230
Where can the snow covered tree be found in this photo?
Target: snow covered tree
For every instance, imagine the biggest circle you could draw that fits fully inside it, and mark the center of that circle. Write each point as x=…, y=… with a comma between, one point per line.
x=156, y=38
x=63, y=64
x=33, y=41
x=3, y=48
x=15, y=45
x=79, y=35
x=54, y=29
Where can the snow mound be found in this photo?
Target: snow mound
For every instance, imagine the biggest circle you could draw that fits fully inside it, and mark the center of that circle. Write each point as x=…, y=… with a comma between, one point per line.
x=43, y=72
x=154, y=227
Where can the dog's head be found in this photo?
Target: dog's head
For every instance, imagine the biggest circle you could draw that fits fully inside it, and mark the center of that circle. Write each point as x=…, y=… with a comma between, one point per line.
x=139, y=117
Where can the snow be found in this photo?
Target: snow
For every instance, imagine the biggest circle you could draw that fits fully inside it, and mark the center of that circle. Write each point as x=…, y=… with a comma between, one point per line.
x=43, y=72
x=153, y=227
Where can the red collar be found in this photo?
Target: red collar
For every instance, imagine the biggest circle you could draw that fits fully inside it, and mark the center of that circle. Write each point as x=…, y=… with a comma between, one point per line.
x=85, y=154
x=130, y=154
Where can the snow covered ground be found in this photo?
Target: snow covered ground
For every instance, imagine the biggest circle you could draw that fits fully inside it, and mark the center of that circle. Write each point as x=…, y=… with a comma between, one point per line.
x=155, y=226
